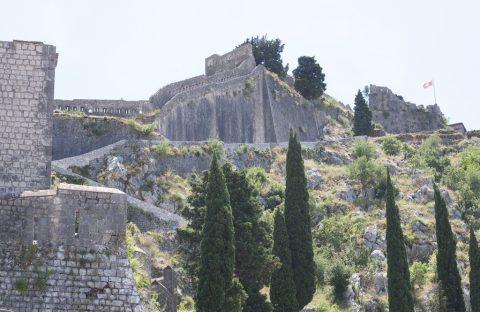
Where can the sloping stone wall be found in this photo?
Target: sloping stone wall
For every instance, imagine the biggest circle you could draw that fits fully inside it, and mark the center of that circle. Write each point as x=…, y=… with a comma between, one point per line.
x=27, y=74
x=251, y=108
x=398, y=116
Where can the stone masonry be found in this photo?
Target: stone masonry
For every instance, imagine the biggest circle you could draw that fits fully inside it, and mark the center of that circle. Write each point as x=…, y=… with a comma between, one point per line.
x=27, y=72
x=398, y=116
x=60, y=249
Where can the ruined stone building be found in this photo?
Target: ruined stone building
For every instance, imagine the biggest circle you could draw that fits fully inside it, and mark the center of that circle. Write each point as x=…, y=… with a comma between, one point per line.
x=61, y=249
x=397, y=116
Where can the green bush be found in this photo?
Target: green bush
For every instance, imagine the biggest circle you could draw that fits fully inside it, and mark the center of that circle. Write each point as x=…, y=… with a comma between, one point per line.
x=391, y=145
x=215, y=146
x=418, y=273
x=321, y=266
x=144, y=129
x=339, y=279
x=163, y=149
x=363, y=148
x=366, y=172
x=257, y=177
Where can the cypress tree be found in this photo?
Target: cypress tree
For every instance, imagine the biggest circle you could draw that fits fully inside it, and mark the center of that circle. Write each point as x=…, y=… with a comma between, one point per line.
x=297, y=220
x=252, y=241
x=362, y=118
x=217, y=250
x=400, y=297
x=447, y=269
x=282, y=285
x=474, y=256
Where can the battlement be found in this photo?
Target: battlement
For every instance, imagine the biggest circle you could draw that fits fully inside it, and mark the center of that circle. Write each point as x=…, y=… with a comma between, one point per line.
x=27, y=75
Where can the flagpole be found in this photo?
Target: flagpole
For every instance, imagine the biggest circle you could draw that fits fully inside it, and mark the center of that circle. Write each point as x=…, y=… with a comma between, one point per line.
x=434, y=95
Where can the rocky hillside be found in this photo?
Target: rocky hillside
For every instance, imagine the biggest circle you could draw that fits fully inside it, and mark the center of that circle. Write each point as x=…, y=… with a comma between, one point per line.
x=348, y=216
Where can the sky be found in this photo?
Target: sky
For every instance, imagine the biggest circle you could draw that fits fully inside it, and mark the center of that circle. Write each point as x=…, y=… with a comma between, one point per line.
x=113, y=49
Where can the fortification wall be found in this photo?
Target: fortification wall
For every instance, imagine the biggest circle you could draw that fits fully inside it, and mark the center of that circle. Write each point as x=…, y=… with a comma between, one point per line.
x=398, y=116
x=76, y=136
x=63, y=250
x=216, y=64
x=120, y=108
x=27, y=74
x=218, y=69
x=250, y=108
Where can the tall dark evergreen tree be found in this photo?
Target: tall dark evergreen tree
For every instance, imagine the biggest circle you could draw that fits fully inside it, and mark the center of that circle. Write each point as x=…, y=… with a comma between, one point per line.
x=474, y=256
x=297, y=220
x=282, y=285
x=217, y=248
x=253, y=259
x=362, y=118
x=447, y=269
x=400, y=297
x=309, y=78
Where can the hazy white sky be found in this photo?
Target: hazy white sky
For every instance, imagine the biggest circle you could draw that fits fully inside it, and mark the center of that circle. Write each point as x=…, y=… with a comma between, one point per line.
x=112, y=49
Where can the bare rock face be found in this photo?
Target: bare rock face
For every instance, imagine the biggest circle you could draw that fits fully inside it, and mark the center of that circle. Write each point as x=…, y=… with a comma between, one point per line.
x=398, y=116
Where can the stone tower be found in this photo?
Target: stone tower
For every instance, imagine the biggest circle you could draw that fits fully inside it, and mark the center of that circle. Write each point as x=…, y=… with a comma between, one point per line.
x=27, y=75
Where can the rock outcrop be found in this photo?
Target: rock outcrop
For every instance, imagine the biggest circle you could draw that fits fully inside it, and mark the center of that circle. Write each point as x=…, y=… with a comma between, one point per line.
x=398, y=116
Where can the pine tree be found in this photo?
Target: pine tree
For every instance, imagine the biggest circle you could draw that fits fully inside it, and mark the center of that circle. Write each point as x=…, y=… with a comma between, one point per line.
x=362, y=119
x=400, y=297
x=297, y=220
x=282, y=285
x=217, y=249
x=252, y=242
x=447, y=269
x=474, y=256
x=309, y=78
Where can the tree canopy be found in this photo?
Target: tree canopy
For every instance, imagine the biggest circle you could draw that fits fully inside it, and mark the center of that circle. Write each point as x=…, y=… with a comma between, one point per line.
x=269, y=53
x=362, y=119
x=309, y=78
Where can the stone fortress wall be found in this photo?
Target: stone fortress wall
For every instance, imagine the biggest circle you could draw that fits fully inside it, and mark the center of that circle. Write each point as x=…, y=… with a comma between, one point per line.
x=63, y=249
x=119, y=108
x=399, y=116
x=238, y=62
x=236, y=104
x=27, y=73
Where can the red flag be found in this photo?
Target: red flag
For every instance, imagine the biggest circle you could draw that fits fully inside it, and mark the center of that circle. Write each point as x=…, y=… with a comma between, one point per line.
x=428, y=84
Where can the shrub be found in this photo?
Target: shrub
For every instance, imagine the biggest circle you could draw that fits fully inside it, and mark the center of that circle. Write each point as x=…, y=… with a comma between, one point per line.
x=366, y=172
x=418, y=273
x=339, y=277
x=363, y=148
x=215, y=146
x=144, y=129
x=163, y=149
x=257, y=177
x=391, y=145
x=321, y=265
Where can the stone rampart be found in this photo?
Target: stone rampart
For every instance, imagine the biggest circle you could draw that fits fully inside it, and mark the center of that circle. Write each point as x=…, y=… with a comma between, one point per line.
x=27, y=74
x=398, y=116
x=64, y=250
x=219, y=63
x=251, y=108
x=120, y=108
x=75, y=136
x=237, y=63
